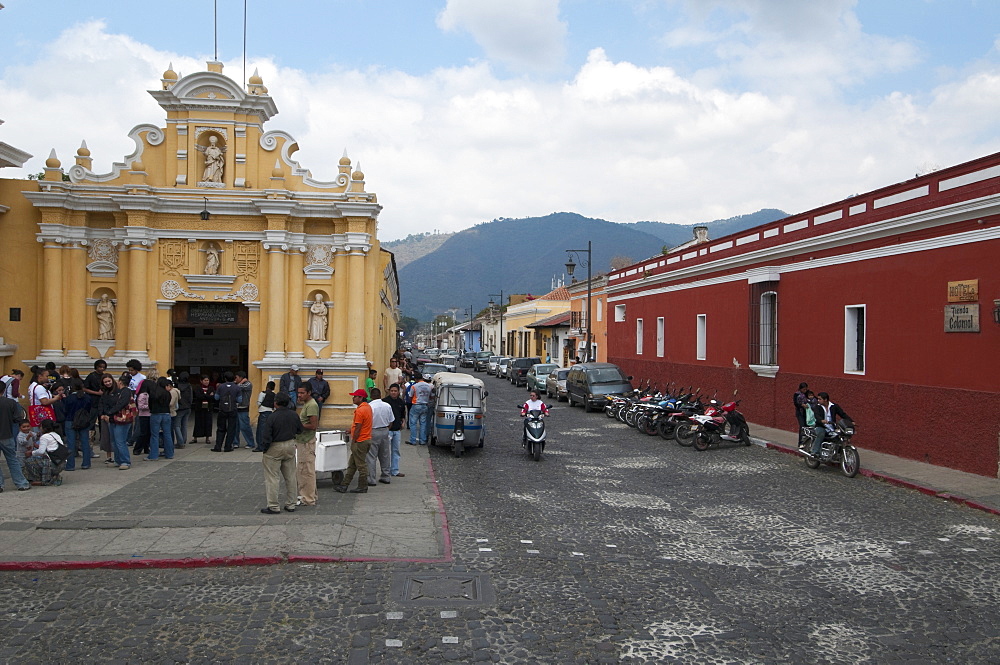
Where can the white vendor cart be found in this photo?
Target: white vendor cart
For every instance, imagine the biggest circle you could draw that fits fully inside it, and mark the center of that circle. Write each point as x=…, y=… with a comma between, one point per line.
x=332, y=453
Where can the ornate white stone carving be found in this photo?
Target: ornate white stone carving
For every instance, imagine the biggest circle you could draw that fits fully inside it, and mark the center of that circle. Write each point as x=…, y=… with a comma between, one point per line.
x=171, y=289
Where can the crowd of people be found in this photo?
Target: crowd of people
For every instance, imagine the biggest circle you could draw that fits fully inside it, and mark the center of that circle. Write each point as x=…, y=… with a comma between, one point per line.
x=69, y=422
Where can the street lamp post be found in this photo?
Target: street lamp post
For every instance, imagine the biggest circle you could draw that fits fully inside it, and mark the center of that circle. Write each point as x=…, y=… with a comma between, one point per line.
x=500, y=310
x=570, y=266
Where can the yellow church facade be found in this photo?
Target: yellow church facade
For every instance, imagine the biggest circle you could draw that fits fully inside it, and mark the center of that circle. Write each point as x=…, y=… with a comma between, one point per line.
x=208, y=249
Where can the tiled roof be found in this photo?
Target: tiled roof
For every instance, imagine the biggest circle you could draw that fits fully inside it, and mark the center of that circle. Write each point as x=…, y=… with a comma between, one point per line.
x=556, y=294
x=552, y=321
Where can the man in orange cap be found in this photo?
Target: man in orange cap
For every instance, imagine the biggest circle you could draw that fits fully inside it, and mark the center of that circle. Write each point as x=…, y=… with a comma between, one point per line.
x=361, y=440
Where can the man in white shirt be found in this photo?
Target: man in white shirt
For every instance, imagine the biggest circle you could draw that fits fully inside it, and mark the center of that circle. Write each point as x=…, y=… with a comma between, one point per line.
x=380, y=448
x=392, y=375
x=134, y=368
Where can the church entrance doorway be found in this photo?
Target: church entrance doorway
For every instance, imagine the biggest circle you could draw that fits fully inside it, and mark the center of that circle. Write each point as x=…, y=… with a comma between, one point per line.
x=210, y=338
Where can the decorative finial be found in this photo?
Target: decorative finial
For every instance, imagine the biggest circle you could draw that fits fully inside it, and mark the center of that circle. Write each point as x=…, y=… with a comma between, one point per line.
x=83, y=150
x=345, y=160
x=52, y=162
x=276, y=172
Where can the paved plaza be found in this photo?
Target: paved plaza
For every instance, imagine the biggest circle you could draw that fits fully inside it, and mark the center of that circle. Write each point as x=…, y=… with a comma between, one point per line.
x=615, y=547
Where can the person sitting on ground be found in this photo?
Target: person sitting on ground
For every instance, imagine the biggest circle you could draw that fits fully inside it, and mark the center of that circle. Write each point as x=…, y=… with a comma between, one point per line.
x=47, y=459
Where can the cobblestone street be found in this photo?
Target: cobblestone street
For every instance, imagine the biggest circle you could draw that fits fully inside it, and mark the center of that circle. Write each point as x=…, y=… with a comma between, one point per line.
x=615, y=547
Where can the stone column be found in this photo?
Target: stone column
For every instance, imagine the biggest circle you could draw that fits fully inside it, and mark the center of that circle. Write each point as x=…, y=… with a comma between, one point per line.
x=338, y=313
x=276, y=299
x=76, y=303
x=122, y=291
x=295, y=340
x=163, y=350
x=356, y=304
x=136, y=310
x=52, y=297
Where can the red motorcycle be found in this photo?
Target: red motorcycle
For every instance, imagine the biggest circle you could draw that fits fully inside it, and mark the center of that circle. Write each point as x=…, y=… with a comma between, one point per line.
x=720, y=424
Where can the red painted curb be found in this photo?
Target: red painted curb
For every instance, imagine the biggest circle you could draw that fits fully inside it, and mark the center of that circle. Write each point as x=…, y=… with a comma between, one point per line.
x=900, y=482
x=445, y=530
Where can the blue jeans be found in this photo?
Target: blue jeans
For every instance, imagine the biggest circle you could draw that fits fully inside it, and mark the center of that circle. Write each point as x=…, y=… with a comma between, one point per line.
x=9, y=449
x=180, y=426
x=160, y=422
x=245, y=429
x=819, y=434
x=394, y=438
x=119, y=443
x=418, y=418
x=429, y=423
x=83, y=436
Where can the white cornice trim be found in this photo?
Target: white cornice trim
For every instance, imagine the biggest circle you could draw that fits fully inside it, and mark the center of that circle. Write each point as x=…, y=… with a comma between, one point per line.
x=11, y=156
x=927, y=244
x=931, y=218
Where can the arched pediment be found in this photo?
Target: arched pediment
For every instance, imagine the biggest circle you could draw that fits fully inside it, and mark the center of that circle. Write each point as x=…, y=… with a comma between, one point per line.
x=200, y=84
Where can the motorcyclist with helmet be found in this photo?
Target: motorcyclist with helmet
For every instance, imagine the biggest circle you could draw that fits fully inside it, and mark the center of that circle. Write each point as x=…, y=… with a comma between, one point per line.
x=533, y=404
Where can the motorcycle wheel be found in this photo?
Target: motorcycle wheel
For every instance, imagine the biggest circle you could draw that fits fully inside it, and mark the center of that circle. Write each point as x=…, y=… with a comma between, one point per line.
x=811, y=462
x=630, y=417
x=536, y=450
x=701, y=441
x=850, y=462
x=685, y=434
x=609, y=411
x=666, y=430
x=648, y=426
x=459, y=448
x=745, y=437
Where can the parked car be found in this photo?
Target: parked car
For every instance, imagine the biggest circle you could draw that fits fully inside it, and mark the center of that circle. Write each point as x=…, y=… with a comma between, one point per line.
x=492, y=364
x=481, y=361
x=451, y=362
x=433, y=353
x=535, y=379
x=588, y=383
x=434, y=368
x=468, y=359
x=517, y=373
x=555, y=383
x=502, y=366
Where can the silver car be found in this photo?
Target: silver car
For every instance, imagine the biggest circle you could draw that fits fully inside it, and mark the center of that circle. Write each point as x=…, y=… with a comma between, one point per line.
x=555, y=384
x=502, y=366
x=491, y=366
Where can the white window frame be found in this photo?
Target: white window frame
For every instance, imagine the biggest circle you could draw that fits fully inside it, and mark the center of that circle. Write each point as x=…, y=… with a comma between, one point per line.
x=851, y=339
x=767, y=348
x=620, y=313
x=701, y=350
x=638, y=337
x=660, y=336
x=600, y=310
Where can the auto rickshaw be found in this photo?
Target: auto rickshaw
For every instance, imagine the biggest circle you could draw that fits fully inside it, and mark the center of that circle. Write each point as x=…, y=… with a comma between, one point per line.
x=458, y=411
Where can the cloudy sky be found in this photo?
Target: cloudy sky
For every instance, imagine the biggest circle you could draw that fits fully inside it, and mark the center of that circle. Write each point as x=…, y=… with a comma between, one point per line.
x=461, y=111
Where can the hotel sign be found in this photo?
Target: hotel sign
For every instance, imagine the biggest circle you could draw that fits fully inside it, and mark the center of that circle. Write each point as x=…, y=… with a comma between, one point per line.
x=961, y=318
x=966, y=290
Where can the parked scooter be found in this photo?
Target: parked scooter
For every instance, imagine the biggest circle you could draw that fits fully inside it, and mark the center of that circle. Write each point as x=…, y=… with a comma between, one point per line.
x=533, y=439
x=836, y=449
x=720, y=424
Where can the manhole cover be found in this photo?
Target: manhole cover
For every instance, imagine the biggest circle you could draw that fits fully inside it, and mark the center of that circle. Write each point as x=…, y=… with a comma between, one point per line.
x=442, y=589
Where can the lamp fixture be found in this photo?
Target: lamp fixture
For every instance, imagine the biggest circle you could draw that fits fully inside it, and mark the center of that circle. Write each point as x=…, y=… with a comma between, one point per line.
x=205, y=216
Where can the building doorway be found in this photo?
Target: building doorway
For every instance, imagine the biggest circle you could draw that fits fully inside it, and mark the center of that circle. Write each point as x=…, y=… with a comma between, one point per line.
x=210, y=338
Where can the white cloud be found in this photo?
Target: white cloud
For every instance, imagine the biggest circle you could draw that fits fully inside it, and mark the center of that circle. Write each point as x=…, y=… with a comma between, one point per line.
x=459, y=146
x=526, y=34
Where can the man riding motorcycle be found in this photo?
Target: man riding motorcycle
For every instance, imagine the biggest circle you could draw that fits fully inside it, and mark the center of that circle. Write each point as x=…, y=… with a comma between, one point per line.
x=533, y=403
x=826, y=415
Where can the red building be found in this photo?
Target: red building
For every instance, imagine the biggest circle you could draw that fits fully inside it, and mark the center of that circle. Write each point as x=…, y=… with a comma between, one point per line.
x=889, y=301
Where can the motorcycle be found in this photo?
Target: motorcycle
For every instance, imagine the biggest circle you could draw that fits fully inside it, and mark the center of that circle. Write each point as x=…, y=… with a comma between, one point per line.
x=534, y=436
x=721, y=424
x=835, y=450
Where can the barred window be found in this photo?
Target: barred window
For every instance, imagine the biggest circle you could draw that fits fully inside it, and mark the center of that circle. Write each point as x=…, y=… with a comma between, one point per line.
x=764, y=323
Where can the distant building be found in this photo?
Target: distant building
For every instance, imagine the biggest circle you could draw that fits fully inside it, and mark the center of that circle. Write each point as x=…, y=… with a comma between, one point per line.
x=889, y=301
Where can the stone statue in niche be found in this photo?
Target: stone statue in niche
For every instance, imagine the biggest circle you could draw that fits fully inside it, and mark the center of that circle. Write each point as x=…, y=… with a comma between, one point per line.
x=211, y=261
x=105, y=318
x=318, y=319
x=214, y=160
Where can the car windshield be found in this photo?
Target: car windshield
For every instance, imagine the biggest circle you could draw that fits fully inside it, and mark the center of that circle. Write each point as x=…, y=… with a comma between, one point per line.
x=606, y=375
x=562, y=374
x=542, y=370
x=463, y=396
x=434, y=368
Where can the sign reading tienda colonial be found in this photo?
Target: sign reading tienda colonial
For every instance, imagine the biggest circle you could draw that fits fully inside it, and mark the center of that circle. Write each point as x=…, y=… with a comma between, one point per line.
x=961, y=318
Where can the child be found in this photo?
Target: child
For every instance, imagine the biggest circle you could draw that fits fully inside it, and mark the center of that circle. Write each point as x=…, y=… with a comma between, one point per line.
x=25, y=439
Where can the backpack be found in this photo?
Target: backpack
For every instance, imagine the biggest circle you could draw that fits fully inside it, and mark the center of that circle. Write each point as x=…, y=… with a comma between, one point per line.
x=60, y=454
x=226, y=403
x=81, y=419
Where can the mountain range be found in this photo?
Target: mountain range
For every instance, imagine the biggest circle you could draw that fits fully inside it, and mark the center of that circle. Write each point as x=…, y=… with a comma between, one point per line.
x=465, y=269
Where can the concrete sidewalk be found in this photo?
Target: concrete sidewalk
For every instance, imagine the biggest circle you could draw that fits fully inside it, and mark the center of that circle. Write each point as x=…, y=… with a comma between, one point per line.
x=966, y=488
x=203, y=508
